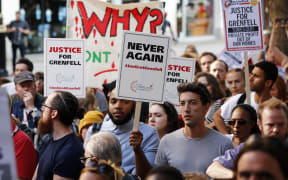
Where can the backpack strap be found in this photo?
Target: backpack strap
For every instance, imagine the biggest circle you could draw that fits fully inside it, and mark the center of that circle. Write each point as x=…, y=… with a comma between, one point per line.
x=241, y=99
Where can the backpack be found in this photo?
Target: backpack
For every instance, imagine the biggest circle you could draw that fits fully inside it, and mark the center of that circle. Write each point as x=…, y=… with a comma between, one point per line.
x=241, y=99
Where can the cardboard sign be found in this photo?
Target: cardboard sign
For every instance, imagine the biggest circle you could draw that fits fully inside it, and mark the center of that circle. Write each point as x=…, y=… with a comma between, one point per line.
x=7, y=156
x=243, y=25
x=101, y=24
x=180, y=70
x=234, y=59
x=64, y=66
x=142, y=70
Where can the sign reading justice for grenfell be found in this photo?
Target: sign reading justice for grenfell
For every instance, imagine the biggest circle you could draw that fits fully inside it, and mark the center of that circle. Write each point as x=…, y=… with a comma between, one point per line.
x=64, y=66
x=180, y=70
x=142, y=70
x=243, y=25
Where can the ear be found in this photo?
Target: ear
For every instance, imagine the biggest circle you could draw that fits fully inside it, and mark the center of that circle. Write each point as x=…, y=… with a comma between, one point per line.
x=54, y=114
x=268, y=83
x=207, y=107
x=259, y=123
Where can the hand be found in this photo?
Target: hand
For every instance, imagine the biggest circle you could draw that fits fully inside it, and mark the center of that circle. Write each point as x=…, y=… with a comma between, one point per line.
x=276, y=56
x=135, y=140
x=28, y=100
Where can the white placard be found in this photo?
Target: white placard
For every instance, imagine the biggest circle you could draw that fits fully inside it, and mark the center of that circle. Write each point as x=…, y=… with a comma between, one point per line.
x=7, y=155
x=101, y=24
x=180, y=70
x=243, y=25
x=64, y=66
x=142, y=70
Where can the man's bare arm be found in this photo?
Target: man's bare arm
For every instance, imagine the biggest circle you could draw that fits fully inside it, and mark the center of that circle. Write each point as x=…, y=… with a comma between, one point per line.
x=219, y=122
x=217, y=171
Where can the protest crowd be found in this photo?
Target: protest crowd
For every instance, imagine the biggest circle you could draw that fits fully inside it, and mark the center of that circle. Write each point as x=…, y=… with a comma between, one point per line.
x=216, y=135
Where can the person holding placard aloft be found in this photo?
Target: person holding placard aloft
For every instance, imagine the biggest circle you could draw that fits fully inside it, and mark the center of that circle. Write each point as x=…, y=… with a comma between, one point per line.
x=262, y=78
x=138, y=147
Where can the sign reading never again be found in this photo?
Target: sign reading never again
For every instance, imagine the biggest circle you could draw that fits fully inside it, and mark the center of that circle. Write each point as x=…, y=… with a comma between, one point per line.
x=142, y=70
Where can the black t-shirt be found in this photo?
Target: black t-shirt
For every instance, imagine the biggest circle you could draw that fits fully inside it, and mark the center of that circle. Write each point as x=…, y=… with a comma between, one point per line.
x=17, y=37
x=61, y=157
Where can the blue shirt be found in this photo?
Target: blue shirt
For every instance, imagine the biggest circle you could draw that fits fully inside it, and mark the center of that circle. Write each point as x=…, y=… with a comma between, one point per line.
x=18, y=107
x=230, y=155
x=149, y=143
x=61, y=157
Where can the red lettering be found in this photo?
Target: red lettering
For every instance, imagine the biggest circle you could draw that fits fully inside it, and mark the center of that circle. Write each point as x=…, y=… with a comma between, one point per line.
x=140, y=18
x=179, y=68
x=117, y=19
x=158, y=21
x=88, y=23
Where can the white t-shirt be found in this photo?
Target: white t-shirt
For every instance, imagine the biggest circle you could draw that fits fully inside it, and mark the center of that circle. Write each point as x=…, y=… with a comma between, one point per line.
x=227, y=107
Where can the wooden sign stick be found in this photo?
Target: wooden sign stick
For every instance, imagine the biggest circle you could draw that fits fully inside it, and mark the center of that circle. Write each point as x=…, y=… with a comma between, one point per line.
x=137, y=115
x=247, y=81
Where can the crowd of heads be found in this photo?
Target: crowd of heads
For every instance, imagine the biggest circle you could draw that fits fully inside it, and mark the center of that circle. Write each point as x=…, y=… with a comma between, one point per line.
x=214, y=84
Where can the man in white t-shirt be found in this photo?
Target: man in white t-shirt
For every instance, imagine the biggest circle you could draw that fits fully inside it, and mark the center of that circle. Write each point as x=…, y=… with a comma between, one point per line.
x=261, y=79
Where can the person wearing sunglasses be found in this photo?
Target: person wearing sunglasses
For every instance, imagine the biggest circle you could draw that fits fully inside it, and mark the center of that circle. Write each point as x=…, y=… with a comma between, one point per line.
x=272, y=122
x=103, y=157
x=243, y=123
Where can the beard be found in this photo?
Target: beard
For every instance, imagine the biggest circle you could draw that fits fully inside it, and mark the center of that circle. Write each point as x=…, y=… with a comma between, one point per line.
x=44, y=127
x=121, y=121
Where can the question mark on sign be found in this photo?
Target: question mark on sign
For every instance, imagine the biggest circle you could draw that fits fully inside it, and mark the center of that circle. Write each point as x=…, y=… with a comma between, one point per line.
x=158, y=21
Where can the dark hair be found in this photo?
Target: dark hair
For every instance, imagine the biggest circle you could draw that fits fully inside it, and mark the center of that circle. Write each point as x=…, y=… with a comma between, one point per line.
x=270, y=70
x=166, y=172
x=39, y=76
x=210, y=54
x=252, y=114
x=172, y=116
x=27, y=62
x=217, y=92
x=197, y=88
x=108, y=88
x=67, y=105
x=272, y=146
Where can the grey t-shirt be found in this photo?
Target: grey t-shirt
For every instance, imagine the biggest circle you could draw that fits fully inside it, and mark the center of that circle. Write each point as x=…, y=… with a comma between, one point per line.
x=191, y=154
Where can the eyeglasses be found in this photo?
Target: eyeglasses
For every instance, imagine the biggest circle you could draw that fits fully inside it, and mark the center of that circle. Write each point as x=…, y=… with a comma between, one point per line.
x=44, y=105
x=95, y=165
x=239, y=122
x=83, y=159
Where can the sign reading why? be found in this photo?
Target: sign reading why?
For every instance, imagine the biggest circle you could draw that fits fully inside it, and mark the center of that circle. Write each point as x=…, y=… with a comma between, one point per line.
x=180, y=70
x=64, y=66
x=243, y=25
x=101, y=24
x=142, y=70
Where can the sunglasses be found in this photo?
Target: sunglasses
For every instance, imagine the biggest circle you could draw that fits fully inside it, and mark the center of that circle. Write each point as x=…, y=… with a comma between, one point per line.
x=94, y=165
x=233, y=122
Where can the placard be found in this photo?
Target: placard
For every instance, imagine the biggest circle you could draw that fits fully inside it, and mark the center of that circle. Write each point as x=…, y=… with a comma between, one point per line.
x=142, y=70
x=7, y=156
x=101, y=24
x=243, y=25
x=180, y=70
x=64, y=66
